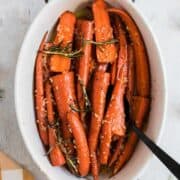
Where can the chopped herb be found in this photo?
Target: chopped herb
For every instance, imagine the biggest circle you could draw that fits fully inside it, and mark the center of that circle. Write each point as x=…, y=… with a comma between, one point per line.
x=55, y=125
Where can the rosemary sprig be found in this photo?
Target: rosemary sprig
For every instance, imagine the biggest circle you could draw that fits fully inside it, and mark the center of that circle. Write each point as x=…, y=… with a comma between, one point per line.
x=69, y=161
x=78, y=110
x=87, y=101
x=54, y=125
x=111, y=41
x=72, y=54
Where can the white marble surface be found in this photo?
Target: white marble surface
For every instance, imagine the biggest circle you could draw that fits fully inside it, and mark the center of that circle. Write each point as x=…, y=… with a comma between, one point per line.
x=15, y=18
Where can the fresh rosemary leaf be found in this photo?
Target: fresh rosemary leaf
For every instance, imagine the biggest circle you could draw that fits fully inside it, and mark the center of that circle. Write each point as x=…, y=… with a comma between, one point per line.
x=78, y=110
x=71, y=165
x=63, y=52
x=112, y=41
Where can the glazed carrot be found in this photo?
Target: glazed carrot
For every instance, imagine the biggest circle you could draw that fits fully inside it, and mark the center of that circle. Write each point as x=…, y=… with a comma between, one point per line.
x=56, y=156
x=140, y=108
x=113, y=72
x=39, y=94
x=64, y=92
x=117, y=151
x=141, y=60
x=85, y=31
x=131, y=75
x=122, y=47
x=81, y=142
x=115, y=115
x=100, y=85
x=114, y=121
x=113, y=69
x=64, y=37
x=103, y=32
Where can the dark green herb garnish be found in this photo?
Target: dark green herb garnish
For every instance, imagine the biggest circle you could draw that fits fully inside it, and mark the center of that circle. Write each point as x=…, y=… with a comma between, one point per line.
x=70, y=162
x=111, y=41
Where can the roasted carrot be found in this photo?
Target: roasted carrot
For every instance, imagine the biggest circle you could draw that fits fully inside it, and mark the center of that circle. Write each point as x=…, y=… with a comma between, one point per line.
x=114, y=121
x=100, y=85
x=64, y=38
x=85, y=31
x=141, y=60
x=113, y=72
x=39, y=94
x=122, y=58
x=80, y=141
x=103, y=32
x=131, y=75
x=117, y=151
x=56, y=156
x=64, y=91
x=140, y=108
x=115, y=115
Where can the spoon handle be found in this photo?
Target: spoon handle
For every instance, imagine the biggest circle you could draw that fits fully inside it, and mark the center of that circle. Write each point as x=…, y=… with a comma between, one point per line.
x=170, y=163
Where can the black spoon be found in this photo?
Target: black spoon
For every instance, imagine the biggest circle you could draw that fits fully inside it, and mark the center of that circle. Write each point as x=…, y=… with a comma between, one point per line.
x=170, y=163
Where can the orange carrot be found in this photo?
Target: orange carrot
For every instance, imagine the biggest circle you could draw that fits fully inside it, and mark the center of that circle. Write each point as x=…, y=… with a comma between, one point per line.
x=117, y=151
x=64, y=91
x=39, y=94
x=81, y=142
x=122, y=47
x=131, y=75
x=64, y=37
x=140, y=107
x=56, y=156
x=85, y=31
x=103, y=32
x=141, y=60
x=115, y=115
x=114, y=121
x=99, y=90
x=113, y=72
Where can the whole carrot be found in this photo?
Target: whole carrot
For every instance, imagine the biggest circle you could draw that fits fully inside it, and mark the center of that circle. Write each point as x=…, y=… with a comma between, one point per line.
x=84, y=31
x=103, y=32
x=64, y=92
x=117, y=151
x=114, y=121
x=39, y=94
x=64, y=38
x=141, y=60
x=122, y=58
x=80, y=141
x=56, y=156
x=100, y=85
x=140, y=108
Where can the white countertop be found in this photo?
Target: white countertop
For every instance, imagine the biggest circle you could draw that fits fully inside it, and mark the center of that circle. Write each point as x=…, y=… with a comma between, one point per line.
x=15, y=18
